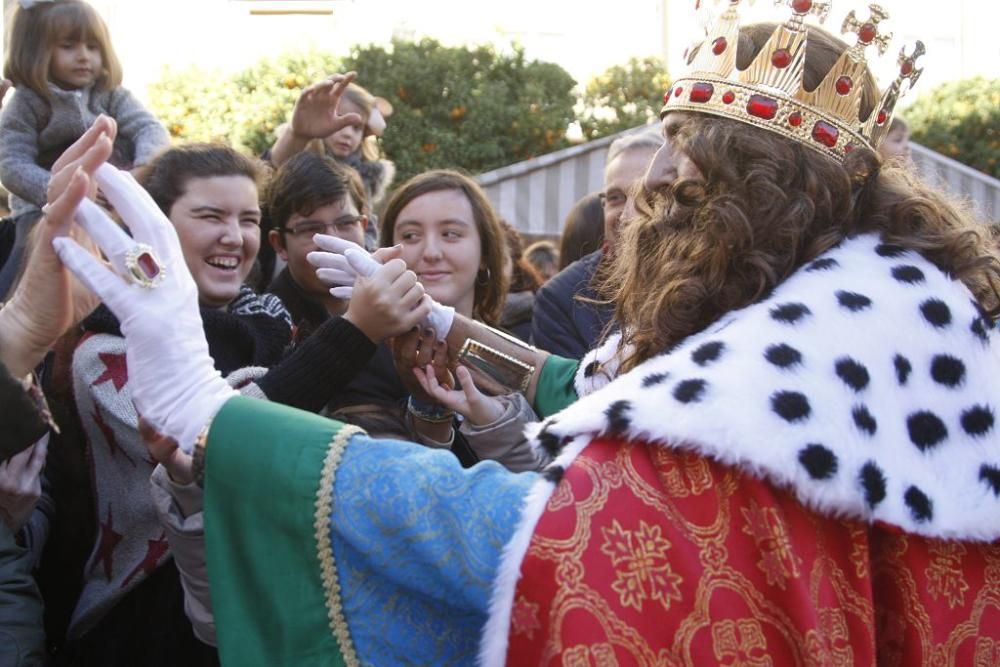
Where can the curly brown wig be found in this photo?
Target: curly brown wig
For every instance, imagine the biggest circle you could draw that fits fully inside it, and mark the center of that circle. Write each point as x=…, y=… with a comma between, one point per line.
x=767, y=205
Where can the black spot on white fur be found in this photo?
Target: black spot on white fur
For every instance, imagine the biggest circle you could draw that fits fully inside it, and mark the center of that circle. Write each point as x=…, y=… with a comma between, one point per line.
x=978, y=421
x=903, y=369
x=690, y=391
x=947, y=370
x=926, y=429
x=791, y=406
x=991, y=476
x=978, y=328
x=889, y=250
x=936, y=312
x=873, y=481
x=819, y=462
x=921, y=507
x=783, y=356
x=550, y=442
x=864, y=420
x=823, y=264
x=707, y=353
x=654, y=379
x=591, y=368
x=790, y=313
x=618, y=418
x=909, y=274
x=853, y=373
x=853, y=301
x=554, y=474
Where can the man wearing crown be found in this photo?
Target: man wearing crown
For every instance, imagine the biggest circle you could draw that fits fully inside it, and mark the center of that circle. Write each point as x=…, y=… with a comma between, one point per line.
x=787, y=454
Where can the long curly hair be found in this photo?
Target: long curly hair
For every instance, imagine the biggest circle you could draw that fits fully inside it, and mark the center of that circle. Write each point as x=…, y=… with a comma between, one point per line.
x=767, y=205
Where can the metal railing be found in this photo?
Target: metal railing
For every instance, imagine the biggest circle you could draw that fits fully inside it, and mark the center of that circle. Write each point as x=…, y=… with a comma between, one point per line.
x=535, y=195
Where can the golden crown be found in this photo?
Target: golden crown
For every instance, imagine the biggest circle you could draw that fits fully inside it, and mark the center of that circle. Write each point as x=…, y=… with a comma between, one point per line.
x=769, y=93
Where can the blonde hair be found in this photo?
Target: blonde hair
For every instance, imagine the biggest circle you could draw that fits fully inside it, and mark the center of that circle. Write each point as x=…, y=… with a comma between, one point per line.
x=35, y=31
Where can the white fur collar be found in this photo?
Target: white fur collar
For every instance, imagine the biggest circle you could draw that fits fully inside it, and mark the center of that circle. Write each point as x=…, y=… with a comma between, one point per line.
x=867, y=382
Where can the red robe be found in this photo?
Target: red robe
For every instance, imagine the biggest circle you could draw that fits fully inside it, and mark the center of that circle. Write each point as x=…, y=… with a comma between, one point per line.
x=647, y=555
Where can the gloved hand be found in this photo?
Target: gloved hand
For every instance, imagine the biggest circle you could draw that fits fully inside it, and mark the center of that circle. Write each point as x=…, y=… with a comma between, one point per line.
x=339, y=264
x=173, y=380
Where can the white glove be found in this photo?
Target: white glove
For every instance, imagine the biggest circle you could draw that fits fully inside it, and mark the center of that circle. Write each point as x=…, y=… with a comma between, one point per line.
x=340, y=262
x=172, y=378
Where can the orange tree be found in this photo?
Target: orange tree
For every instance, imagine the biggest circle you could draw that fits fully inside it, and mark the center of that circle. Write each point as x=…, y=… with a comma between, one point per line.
x=960, y=119
x=623, y=97
x=468, y=107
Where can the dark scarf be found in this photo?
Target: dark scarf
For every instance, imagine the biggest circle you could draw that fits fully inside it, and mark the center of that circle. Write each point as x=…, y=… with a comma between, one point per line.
x=307, y=313
x=247, y=337
x=372, y=172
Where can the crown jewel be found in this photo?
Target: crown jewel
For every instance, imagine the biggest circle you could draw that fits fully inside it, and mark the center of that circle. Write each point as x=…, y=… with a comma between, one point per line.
x=769, y=93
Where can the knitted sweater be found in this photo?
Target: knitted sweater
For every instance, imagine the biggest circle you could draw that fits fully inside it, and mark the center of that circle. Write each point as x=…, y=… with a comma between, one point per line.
x=35, y=131
x=130, y=543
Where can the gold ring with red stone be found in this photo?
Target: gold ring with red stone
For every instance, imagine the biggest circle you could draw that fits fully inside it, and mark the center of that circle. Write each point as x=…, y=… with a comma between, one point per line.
x=143, y=267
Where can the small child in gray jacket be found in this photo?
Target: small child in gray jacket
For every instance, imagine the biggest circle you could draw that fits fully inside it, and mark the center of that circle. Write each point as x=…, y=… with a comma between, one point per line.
x=65, y=74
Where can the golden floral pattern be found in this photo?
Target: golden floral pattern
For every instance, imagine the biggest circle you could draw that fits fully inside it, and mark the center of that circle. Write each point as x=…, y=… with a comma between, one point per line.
x=642, y=570
x=597, y=655
x=524, y=617
x=987, y=652
x=778, y=561
x=944, y=574
x=740, y=643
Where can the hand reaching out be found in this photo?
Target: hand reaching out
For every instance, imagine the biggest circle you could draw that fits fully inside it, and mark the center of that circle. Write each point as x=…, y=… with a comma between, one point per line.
x=467, y=401
x=388, y=302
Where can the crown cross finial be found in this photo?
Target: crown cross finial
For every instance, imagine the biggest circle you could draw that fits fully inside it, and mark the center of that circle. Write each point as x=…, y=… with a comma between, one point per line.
x=804, y=7
x=908, y=63
x=868, y=31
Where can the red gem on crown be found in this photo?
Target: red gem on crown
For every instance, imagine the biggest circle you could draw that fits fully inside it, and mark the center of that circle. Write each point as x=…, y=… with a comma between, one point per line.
x=781, y=58
x=678, y=90
x=882, y=117
x=825, y=134
x=702, y=92
x=729, y=97
x=795, y=119
x=867, y=33
x=802, y=6
x=762, y=107
x=719, y=45
x=844, y=85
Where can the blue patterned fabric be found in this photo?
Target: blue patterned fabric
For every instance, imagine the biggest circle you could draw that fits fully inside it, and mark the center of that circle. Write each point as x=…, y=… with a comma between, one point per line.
x=417, y=540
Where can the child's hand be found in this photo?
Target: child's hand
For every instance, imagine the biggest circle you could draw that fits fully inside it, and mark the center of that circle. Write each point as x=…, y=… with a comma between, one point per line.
x=315, y=115
x=468, y=401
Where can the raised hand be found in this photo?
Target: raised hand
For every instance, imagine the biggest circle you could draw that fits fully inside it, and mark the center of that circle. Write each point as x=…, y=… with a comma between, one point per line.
x=315, y=116
x=49, y=300
x=468, y=401
x=172, y=378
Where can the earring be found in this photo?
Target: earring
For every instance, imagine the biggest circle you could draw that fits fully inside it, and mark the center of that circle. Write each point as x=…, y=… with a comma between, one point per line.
x=488, y=278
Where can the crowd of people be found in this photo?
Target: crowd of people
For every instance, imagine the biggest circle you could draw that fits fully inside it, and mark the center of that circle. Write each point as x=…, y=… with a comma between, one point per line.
x=280, y=409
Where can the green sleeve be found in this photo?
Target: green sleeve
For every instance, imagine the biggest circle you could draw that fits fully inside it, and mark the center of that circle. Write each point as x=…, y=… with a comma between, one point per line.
x=264, y=464
x=555, y=389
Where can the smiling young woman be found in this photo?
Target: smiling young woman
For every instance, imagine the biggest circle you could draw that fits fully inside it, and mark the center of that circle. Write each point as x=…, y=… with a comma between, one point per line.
x=209, y=193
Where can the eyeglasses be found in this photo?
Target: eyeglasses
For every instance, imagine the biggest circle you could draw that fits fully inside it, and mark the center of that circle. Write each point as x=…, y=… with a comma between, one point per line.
x=307, y=228
x=615, y=198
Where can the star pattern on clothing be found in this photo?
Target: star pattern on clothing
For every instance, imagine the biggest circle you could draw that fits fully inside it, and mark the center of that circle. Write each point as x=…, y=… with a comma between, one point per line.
x=155, y=550
x=109, y=540
x=109, y=435
x=115, y=370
